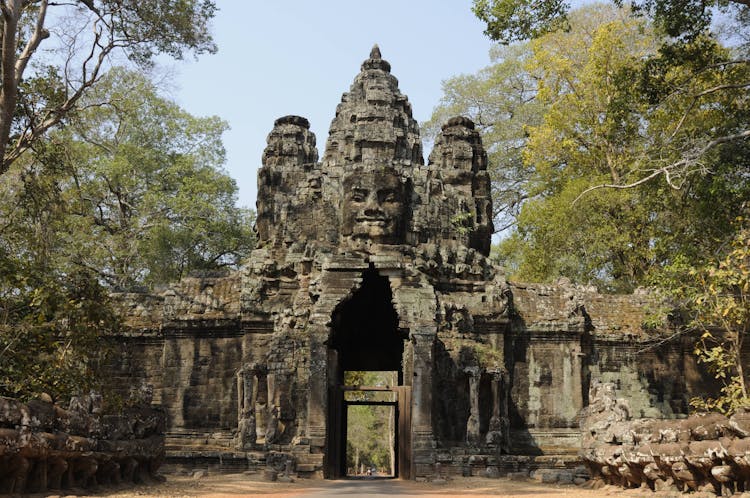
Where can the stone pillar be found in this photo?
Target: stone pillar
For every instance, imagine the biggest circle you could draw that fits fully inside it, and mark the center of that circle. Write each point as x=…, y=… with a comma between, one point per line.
x=422, y=381
x=423, y=440
x=272, y=409
x=577, y=373
x=472, y=425
x=317, y=395
x=497, y=436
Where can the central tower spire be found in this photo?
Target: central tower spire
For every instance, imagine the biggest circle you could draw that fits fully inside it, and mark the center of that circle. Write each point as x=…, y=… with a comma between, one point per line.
x=373, y=122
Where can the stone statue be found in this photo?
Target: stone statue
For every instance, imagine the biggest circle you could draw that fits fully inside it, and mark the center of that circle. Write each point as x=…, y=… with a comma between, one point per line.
x=246, y=394
x=373, y=205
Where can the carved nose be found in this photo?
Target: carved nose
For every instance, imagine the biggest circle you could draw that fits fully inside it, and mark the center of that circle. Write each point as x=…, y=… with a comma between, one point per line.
x=372, y=207
x=373, y=210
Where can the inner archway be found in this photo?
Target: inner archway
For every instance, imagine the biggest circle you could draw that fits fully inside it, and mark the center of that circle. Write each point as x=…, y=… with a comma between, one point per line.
x=365, y=337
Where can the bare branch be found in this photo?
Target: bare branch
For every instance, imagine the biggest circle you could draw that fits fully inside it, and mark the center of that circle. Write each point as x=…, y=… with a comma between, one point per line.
x=722, y=87
x=55, y=116
x=40, y=33
x=668, y=170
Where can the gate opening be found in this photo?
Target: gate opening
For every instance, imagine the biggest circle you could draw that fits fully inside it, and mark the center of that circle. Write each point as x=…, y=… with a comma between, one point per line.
x=371, y=423
x=369, y=407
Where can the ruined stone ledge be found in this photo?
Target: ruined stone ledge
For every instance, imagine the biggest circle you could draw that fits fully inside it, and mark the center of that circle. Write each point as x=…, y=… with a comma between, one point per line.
x=204, y=328
x=148, y=334
x=469, y=462
x=706, y=452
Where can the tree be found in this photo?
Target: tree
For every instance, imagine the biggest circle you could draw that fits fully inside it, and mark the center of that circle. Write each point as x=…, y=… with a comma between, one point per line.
x=130, y=192
x=716, y=298
x=146, y=182
x=39, y=92
x=370, y=428
x=684, y=28
x=600, y=129
x=516, y=20
x=53, y=316
x=593, y=124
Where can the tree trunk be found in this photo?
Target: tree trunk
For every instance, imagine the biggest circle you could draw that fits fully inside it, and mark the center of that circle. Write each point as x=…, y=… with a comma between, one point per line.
x=11, y=12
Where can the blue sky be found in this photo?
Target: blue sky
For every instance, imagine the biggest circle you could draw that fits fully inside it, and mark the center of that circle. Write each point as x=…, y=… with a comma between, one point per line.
x=297, y=57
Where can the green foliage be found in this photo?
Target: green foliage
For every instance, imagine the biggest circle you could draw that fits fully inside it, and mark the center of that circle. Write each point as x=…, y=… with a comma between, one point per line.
x=370, y=428
x=368, y=440
x=608, y=107
x=52, y=70
x=130, y=193
x=719, y=298
x=53, y=316
x=462, y=222
x=48, y=333
x=163, y=26
x=514, y=20
x=500, y=101
x=145, y=180
x=487, y=357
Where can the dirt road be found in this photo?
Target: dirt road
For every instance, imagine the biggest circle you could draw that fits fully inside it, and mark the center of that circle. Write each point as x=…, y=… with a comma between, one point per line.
x=239, y=485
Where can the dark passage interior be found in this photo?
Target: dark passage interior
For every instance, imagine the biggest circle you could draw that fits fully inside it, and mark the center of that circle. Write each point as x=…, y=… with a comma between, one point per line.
x=365, y=328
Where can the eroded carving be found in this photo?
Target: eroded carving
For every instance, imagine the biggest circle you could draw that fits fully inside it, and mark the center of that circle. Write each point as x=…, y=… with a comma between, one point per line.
x=44, y=446
x=704, y=452
x=373, y=206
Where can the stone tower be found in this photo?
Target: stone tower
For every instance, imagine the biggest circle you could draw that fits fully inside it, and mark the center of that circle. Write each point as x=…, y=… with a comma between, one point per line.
x=372, y=260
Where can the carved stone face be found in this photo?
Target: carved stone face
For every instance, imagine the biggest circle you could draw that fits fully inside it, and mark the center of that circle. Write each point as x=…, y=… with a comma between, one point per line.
x=373, y=206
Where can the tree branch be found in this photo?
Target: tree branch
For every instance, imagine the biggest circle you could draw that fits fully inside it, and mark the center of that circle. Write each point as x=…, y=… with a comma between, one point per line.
x=54, y=116
x=668, y=170
x=722, y=87
x=9, y=92
x=40, y=33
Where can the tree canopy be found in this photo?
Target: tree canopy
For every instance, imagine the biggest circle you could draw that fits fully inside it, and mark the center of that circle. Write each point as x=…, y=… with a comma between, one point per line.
x=516, y=20
x=130, y=193
x=588, y=117
x=53, y=53
x=634, y=168
x=683, y=58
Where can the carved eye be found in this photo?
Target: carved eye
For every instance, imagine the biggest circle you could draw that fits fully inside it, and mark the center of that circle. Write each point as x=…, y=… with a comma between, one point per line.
x=388, y=196
x=358, y=196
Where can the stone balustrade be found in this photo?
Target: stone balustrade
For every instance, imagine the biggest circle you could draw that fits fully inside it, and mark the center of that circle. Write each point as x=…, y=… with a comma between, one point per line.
x=706, y=452
x=44, y=446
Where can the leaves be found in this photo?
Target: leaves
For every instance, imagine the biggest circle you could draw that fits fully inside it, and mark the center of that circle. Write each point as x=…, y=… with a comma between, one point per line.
x=606, y=103
x=40, y=95
x=130, y=193
x=517, y=20
x=717, y=298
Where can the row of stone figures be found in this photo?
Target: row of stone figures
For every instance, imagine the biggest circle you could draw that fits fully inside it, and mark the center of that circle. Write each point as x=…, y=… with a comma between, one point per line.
x=703, y=452
x=258, y=406
x=44, y=446
x=498, y=431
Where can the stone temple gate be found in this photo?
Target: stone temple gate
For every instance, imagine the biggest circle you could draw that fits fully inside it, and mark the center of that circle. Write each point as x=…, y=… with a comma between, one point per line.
x=370, y=259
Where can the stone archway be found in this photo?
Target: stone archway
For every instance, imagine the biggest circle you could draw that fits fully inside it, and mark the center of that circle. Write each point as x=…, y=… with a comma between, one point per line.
x=365, y=336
